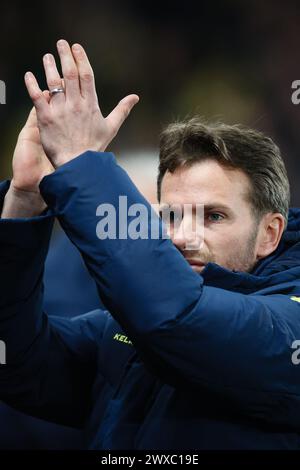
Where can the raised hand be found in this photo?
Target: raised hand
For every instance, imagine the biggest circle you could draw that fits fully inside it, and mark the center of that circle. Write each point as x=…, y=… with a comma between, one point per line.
x=71, y=122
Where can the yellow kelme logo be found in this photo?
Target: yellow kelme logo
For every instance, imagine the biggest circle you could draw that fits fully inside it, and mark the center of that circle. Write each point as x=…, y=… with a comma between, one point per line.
x=122, y=339
x=296, y=299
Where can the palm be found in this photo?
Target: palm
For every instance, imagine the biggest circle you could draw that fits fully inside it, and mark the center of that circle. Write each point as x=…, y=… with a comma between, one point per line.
x=30, y=163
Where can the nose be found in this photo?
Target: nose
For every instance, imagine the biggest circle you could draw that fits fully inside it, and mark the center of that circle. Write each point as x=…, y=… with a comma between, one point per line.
x=178, y=236
x=186, y=237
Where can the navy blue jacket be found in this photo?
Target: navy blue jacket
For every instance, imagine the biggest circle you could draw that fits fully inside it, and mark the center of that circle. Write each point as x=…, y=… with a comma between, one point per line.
x=178, y=360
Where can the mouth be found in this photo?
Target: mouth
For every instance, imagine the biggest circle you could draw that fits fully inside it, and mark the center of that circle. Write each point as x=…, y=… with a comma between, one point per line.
x=196, y=264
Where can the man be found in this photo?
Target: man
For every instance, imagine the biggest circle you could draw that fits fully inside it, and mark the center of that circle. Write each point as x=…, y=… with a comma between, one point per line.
x=192, y=353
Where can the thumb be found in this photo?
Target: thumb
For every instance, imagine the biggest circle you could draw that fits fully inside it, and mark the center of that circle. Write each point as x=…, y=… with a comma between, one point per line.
x=47, y=95
x=118, y=115
x=32, y=119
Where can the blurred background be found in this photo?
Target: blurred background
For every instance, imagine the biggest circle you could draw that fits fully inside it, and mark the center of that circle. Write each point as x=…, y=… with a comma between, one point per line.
x=225, y=59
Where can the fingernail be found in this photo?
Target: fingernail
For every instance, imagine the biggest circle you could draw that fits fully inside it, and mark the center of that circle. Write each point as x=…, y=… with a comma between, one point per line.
x=48, y=57
x=76, y=48
x=61, y=43
x=28, y=75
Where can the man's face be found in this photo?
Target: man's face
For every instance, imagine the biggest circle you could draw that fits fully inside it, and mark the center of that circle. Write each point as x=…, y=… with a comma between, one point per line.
x=230, y=229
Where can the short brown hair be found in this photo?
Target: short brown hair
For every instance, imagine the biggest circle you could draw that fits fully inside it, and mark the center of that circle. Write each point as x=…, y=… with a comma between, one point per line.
x=188, y=142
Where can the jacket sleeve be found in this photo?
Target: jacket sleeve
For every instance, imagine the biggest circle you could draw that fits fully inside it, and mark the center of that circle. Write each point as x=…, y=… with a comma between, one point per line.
x=50, y=362
x=234, y=345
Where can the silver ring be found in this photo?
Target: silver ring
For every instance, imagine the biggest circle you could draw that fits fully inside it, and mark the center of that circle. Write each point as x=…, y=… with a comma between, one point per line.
x=56, y=90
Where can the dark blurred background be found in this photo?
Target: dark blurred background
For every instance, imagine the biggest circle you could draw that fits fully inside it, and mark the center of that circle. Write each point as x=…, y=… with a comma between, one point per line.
x=228, y=60
x=225, y=59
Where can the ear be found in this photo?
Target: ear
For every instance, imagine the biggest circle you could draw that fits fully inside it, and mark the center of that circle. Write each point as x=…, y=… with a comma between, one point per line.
x=270, y=231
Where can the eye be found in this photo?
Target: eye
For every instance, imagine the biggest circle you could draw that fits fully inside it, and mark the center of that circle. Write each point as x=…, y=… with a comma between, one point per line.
x=215, y=217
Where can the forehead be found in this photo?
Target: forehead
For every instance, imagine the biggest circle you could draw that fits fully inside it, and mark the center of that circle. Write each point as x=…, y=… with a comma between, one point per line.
x=203, y=183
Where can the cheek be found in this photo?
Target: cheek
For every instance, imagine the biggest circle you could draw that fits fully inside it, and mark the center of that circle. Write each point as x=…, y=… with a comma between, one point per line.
x=224, y=241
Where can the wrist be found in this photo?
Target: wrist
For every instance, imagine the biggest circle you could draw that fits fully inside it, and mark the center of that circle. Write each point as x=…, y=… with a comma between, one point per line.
x=20, y=203
x=63, y=158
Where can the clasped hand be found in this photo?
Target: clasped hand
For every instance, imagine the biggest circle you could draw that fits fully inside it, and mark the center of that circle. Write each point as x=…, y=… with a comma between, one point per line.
x=60, y=127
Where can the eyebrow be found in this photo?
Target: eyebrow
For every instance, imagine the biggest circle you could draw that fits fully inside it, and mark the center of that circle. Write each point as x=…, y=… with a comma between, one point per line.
x=207, y=207
x=219, y=206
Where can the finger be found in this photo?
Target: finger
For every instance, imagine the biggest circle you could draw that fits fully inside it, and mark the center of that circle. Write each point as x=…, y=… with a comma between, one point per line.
x=52, y=76
x=118, y=115
x=86, y=74
x=32, y=117
x=36, y=94
x=69, y=70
